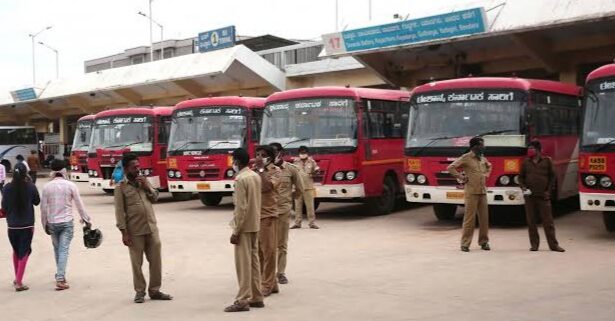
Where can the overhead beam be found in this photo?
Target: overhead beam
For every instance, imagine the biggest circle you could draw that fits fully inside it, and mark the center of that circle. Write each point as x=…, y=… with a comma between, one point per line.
x=539, y=49
x=81, y=103
x=42, y=109
x=190, y=86
x=130, y=95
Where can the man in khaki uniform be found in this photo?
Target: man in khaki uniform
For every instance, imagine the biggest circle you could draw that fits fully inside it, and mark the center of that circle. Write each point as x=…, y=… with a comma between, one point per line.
x=307, y=166
x=136, y=220
x=268, y=241
x=246, y=224
x=290, y=178
x=476, y=169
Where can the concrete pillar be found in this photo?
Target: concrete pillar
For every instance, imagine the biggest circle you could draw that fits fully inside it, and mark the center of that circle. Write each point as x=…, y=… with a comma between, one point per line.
x=64, y=139
x=568, y=75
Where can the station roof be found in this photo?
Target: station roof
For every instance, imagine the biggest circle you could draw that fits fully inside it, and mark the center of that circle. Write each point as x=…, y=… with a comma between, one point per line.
x=196, y=75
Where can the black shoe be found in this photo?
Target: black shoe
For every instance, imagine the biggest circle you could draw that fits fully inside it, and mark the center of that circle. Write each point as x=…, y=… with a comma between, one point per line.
x=282, y=278
x=295, y=226
x=139, y=298
x=465, y=249
x=314, y=226
x=534, y=248
x=485, y=247
x=259, y=304
x=160, y=296
x=558, y=249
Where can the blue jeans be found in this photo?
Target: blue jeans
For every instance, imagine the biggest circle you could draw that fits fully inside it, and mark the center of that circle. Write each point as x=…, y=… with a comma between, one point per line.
x=61, y=236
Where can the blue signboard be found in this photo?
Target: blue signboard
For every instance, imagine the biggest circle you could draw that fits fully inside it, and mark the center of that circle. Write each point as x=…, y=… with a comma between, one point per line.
x=454, y=24
x=24, y=94
x=217, y=39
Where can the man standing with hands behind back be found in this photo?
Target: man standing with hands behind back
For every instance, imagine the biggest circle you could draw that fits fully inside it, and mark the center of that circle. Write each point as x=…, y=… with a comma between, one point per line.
x=246, y=224
x=136, y=220
x=537, y=180
x=476, y=170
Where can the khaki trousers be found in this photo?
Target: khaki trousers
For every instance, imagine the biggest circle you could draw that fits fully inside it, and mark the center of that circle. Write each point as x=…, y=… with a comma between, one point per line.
x=248, y=269
x=149, y=245
x=306, y=198
x=532, y=204
x=475, y=203
x=283, y=227
x=268, y=244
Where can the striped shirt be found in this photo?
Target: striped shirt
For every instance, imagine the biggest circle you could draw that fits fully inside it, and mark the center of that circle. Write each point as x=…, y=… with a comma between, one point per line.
x=57, y=202
x=2, y=173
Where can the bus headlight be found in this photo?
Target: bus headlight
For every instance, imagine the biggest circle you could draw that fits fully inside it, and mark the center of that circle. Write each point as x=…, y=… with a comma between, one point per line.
x=421, y=179
x=606, y=182
x=516, y=179
x=411, y=178
x=590, y=180
x=339, y=176
x=95, y=173
x=351, y=175
x=91, y=172
x=504, y=180
x=171, y=174
x=230, y=173
x=178, y=174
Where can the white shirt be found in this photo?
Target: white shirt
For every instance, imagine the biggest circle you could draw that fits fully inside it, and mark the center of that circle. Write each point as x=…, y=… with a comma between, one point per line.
x=57, y=202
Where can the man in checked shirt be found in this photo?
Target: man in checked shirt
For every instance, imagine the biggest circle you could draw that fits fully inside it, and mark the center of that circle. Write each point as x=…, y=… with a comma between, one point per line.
x=57, y=216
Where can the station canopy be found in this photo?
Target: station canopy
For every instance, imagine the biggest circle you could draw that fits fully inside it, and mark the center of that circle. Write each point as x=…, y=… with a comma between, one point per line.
x=236, y=70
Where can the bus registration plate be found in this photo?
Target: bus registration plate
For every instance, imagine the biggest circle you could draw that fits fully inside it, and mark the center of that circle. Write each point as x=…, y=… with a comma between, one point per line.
x=597, y=164
x=454, y=195
x=202, y=186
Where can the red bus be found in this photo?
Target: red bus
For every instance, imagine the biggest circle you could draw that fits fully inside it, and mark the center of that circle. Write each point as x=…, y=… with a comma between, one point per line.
x=508, y=113
x=597, y=156
x=204, y=132
x=79, y=151
x=140, y=130
x=354, y=134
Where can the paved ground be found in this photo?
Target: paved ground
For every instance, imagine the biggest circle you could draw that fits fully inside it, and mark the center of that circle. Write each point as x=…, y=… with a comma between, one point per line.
x=403, y=266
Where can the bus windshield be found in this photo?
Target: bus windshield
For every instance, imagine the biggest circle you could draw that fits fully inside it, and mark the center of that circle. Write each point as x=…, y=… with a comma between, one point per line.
x=599, y=115
x=213, y=131
x=82, y=136
x=121, y=132
x=18, y=136
x=319, y=122
x=450, y=121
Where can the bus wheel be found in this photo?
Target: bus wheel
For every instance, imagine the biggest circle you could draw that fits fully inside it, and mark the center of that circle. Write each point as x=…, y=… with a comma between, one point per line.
x=385, y=203
x=181, y=196
x=210, y=199
x=445, y=212
x=108, y=191
x=609, y=221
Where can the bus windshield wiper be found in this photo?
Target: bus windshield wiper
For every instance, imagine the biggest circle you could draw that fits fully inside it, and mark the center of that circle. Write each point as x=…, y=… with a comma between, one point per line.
x=495, y=132
x=432, y=141
x=214, y=145
x=184, y=145
x=296, y=141
x=605, y=145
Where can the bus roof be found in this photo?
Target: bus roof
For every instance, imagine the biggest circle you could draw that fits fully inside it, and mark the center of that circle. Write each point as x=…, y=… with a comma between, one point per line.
x=86, y=117
x=153, y=111
x=249, y=102
x=604, y=71
x=500, y=83
x=369, y=93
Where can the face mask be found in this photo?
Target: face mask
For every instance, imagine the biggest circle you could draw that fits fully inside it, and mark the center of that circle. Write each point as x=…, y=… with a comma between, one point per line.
x=303, y=156
x=236, y=168
x=531, y=153
x=480, y=151
x=278, y=159
x=265, y=160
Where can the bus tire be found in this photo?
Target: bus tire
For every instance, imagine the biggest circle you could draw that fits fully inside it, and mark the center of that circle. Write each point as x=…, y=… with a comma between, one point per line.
x=385, y=203
x=108, y=191
x=609, y=221
x=210, y=199
x=445, y=212
x=181, y=196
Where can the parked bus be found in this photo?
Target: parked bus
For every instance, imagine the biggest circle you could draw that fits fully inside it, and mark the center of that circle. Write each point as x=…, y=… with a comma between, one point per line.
x=16, y=140
x=354, y=134
x=79, y=151
x=140, y=130
x=508, y=113
x=597, y=159
x=204, y=133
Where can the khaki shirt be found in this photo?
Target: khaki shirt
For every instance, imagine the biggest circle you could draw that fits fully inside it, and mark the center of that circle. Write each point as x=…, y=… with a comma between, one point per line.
x=537, y=177
x=133, y=208
x=247, y=200
x=307, y=167
x=269, y=199
x=475, y=169
x=290, y=176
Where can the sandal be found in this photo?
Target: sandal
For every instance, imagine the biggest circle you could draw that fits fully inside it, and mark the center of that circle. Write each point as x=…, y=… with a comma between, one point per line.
x=20, y=288
x=62, y=285
x=160, y=296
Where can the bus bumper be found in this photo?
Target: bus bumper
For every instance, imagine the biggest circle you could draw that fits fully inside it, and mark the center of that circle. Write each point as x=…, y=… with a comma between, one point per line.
x=201, y=186
x=101, y=183
x=79, y=177
x=598, y=201
x=340, y=191
x=448, y=195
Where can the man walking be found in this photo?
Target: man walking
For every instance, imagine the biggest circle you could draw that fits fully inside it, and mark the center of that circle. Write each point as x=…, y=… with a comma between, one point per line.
x=136, y=220
x=246, y=224
x=476, y=170
x=57, y=201
x=2, y=177
x=34, y=165
x=289, y=178
x=307, y=167
x=537, y=180
x=268, y=241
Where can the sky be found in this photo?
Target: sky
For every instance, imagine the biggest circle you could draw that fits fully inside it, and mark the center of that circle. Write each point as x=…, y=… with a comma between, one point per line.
x=88, y=29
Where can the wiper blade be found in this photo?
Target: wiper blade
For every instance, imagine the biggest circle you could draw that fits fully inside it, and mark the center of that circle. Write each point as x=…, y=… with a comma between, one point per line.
x=432, y=141
x=214, y=145
x=605, y=145
x=495, y=132
x=296, y=141
x=184, y=145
